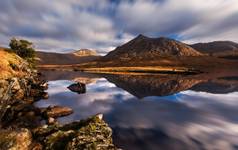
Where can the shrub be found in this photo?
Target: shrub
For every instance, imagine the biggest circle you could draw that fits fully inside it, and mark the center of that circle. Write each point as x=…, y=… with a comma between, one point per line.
x=23, y=48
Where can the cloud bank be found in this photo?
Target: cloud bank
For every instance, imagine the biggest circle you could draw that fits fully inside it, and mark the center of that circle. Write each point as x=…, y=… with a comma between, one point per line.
x=61, y=26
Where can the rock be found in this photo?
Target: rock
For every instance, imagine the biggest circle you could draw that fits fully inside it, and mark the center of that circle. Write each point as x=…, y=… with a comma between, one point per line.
x=92, y=133
x=44, y=85
x=44, y=95
x=59, y=140
x=15, y=140
x=36, y=146
x=78, y=88
x=39, y=94
x=51, y=120
x=15, y=85
x=58, y=111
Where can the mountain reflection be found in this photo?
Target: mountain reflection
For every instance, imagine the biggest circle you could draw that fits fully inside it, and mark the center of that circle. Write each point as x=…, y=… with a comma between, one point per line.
x=155, y=85
x=199, y=113
x=163, y=85
x=218, y=86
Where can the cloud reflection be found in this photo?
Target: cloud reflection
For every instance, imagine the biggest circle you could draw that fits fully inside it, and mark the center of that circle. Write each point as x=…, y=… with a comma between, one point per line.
x=186, y=120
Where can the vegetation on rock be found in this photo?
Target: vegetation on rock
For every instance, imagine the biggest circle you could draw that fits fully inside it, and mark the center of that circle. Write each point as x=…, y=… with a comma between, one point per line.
x=23, y=48
x=92, y=133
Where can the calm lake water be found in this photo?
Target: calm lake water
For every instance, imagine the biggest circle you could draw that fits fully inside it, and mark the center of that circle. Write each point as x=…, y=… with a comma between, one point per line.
x=154, y=111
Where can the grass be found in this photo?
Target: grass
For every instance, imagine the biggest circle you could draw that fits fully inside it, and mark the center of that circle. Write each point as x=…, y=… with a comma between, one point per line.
x=142, y=70
x=125, y=70
x=9, y=63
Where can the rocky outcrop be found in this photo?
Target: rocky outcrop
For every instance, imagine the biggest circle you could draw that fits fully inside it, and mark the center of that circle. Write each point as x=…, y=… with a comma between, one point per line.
x=15, y=93
x=92, y=133
x=15, y=139
x=78, y=87
x=21, y=122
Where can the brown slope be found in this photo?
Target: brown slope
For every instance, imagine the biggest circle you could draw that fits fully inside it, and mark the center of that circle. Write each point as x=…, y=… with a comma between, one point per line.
x=146, y=47
x=46, y=58
x=216, y=46
x=11, y=65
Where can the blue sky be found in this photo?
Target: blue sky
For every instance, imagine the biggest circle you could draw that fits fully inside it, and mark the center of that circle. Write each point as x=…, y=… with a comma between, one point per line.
x=62, y=26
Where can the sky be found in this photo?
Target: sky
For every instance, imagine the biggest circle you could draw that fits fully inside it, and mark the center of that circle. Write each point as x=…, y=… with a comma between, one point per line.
x=67, y=25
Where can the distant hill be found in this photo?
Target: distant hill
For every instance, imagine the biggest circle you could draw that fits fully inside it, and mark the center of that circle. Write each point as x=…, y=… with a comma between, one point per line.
x=85, y=52
x=80, y=56
x=225, y=49
x=216, y=46
x=146, y=47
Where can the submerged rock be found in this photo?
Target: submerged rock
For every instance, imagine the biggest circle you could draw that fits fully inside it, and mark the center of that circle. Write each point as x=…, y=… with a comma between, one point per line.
x=57, y=111
x=79, y=88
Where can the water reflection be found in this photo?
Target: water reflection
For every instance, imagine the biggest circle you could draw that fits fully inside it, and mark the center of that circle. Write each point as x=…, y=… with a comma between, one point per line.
x=157, y=112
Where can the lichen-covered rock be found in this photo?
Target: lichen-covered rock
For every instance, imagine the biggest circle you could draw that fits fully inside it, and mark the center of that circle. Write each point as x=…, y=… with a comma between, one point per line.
x=96, y=135
x=15, y=140
x=92, y=133
x=59, y=140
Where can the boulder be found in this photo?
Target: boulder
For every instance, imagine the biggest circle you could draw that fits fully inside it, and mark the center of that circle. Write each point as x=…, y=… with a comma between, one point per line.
x=78, y=87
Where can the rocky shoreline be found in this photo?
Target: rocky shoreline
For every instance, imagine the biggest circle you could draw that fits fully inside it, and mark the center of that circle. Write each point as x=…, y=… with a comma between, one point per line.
x=26, y=127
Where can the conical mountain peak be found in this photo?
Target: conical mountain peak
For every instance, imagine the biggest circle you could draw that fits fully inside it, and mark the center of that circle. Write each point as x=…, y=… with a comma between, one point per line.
x=146, y=47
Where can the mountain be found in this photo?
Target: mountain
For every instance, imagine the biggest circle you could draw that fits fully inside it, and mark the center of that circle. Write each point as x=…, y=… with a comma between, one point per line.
x=216, y=47
x=146, y=47
x=85, y=52
x=80, y=56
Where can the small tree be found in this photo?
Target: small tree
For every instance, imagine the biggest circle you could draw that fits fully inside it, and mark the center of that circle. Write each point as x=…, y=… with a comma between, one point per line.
x=23, y=48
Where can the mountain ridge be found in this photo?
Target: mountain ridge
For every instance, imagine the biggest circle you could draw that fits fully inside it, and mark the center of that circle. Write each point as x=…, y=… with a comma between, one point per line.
x=76, y=57
x=143, y=46
x=215, y=46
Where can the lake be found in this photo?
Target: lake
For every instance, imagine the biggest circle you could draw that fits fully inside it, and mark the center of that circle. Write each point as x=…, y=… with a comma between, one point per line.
x=151, y=112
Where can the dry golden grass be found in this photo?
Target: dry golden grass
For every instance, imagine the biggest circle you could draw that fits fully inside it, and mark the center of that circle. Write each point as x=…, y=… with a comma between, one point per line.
x=138, y=70
x=121, y=70
x=7, y=58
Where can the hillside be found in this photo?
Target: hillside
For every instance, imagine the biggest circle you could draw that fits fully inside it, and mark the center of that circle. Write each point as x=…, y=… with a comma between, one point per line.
x=146, y=47
x=216, y=46
x=81, y=56
x=224, y=49
x=11, y=65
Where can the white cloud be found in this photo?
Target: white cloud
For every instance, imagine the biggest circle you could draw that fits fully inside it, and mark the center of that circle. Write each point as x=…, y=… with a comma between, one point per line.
x=60, y=25
x=189, y=19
